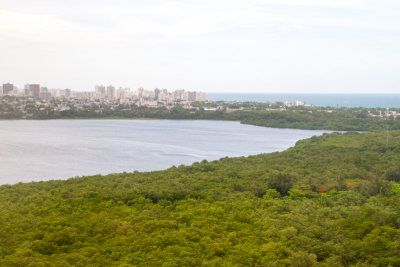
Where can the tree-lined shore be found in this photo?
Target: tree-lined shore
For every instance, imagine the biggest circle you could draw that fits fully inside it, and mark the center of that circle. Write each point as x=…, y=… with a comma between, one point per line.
x=274, y=115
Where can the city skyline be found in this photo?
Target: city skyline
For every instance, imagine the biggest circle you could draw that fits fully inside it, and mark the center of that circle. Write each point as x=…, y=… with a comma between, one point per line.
x=302, y=46
x=91, y=89
x=110, y=93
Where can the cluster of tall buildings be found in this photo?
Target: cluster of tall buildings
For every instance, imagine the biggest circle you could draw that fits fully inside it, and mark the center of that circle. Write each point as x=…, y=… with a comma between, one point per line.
x=110, y=92
x=106, y=93
x=32, y=90
x=7, y=88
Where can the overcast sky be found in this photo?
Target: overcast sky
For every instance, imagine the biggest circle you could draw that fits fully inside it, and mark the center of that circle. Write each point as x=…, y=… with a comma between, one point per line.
x=260, y=46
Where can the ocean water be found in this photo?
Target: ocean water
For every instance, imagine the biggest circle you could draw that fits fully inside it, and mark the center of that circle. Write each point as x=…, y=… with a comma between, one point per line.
x=324, y=100
x=60, y=149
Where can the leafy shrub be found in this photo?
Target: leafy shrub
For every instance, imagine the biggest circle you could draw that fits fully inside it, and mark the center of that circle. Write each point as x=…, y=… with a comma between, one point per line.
x=281, y=182
x=271, y=194
x=393, y=173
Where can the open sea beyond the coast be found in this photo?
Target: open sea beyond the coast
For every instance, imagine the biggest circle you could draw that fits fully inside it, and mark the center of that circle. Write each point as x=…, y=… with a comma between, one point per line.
x=323, y=100
x=59, y=149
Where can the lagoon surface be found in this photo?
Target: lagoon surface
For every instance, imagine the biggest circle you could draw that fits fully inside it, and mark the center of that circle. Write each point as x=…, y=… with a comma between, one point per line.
x=60, y=149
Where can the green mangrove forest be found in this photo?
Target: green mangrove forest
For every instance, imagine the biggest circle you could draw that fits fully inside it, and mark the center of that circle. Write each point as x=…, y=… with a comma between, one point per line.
x=332, y=200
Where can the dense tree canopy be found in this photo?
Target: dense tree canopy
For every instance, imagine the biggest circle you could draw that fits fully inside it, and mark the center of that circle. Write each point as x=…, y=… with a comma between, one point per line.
x=331, y=200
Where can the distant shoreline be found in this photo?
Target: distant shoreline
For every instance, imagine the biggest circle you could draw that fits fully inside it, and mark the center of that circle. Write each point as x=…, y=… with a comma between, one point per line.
x=320, y=99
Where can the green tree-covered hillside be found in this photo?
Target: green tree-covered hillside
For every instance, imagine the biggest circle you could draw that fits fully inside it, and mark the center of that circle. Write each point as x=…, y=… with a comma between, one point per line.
x=332, y=200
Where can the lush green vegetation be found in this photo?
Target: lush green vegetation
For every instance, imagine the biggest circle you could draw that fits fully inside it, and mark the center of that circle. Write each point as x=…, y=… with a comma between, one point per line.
x=261, y=114
x=341, y=120
x=332, y=200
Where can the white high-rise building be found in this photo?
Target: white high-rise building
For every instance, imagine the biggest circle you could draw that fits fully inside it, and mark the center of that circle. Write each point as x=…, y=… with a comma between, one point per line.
x=200, y=96
x=191, y=96
x=100, y=91
x=110, y=92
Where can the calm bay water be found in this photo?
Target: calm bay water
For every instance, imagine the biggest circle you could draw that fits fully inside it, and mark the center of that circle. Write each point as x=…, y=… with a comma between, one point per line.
x=60, y=149
x=323, y=100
